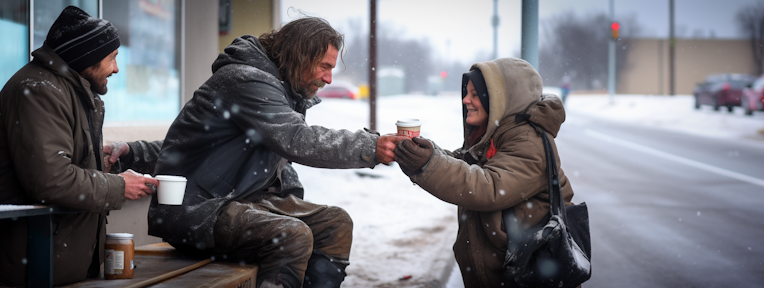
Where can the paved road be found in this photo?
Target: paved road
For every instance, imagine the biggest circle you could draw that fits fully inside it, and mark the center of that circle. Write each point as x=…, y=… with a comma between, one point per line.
x=667, y=209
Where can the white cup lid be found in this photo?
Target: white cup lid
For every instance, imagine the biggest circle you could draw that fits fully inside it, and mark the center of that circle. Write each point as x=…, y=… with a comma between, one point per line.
x=170, y=178
x=408, y=123
x=119, y=235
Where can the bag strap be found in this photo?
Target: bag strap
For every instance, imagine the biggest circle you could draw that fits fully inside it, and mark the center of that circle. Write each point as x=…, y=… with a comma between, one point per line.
x=556, y=203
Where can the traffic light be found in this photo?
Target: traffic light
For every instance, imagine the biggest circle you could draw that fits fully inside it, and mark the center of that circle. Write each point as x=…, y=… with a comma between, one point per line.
x=614, y=27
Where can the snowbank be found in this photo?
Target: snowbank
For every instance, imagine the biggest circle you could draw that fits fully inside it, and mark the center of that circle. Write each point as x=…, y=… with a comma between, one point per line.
x=676, y=113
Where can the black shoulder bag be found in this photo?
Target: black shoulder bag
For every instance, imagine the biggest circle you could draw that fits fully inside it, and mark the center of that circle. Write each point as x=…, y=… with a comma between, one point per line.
x=557, y=251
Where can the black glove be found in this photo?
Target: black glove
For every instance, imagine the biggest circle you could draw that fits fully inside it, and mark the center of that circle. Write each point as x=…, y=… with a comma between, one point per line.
x=413, y=155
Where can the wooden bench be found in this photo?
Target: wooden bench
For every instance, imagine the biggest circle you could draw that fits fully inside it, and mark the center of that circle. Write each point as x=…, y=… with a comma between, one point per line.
x=157, y=260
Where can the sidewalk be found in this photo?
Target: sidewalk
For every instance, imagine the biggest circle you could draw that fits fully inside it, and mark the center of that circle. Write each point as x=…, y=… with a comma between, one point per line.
x=399, y=230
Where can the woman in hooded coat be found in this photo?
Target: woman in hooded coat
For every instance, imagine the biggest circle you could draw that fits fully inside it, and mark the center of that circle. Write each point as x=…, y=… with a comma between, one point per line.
x=500, y=165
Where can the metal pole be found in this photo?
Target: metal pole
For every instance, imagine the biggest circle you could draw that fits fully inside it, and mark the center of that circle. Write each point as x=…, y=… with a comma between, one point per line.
x=372, y=64
x=530, y=32
x=183, y=74
x=31, y=30
x=495, y=24
x=672, y=48
x=660, y=68
x=611, y=58
x=40, y=251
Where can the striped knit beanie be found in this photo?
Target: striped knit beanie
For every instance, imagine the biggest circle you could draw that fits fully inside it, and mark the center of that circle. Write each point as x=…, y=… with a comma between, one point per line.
x=81, y=40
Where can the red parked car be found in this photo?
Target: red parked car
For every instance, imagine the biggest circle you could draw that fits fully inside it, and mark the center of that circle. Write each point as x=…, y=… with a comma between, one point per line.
x=722, y=90
x=753, y=96
x=339, y=90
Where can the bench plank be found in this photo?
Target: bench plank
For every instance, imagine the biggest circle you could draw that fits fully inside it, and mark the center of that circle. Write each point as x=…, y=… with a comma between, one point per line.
x=157, y=259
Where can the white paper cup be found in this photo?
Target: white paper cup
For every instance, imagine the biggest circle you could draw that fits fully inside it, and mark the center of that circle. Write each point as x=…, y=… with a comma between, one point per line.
x=171, y=189
x=408, y=127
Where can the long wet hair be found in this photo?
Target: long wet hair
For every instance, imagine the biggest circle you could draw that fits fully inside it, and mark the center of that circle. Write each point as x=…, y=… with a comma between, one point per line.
x=299, y=46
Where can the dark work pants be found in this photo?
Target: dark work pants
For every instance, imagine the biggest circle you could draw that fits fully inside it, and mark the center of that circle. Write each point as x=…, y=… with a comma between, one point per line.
x=279, y=234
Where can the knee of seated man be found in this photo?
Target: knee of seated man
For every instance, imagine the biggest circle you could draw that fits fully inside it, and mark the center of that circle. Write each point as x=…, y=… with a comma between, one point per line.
x=296, y=230
x=340, y=218
x=338, y=233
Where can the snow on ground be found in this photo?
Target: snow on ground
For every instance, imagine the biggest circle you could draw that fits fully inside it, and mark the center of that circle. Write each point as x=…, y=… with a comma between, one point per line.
x=401, y=230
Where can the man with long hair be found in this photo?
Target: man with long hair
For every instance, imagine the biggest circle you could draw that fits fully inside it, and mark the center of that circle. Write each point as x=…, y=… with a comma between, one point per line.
x=235, y=141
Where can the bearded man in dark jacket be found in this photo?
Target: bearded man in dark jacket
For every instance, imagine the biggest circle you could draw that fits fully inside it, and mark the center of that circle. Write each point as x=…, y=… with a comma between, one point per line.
x=234, y=142
x=50, y=148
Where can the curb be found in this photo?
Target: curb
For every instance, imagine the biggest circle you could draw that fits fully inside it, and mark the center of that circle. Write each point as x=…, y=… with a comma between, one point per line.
x=443, y=265
x=446, y=273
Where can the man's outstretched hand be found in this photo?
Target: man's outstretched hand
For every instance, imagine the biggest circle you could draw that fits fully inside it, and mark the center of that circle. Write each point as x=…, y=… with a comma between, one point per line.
x=113, y=151
x=135, y=185
x=386, y=147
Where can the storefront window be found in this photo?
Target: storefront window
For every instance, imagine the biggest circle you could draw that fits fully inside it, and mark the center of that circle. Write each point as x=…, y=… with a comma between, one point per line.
x=46, y=12
x=14, y=39
x=147, y=87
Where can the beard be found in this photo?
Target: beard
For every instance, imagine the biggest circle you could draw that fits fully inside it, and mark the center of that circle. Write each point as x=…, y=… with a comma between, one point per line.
x=95, y=85
x=307, y=91
x=100, y=89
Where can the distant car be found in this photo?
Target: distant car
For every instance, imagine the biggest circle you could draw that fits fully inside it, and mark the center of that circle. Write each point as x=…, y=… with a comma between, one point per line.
x=722, y=90
x=753, y=96
x=339, y=90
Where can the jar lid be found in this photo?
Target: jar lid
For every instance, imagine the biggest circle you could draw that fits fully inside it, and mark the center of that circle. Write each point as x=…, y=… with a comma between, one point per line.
x=171, y=178
x=408, y=123
x=119, y=235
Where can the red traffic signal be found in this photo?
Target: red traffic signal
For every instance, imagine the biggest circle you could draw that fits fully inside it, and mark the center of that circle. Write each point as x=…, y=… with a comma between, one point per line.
x=614, y=27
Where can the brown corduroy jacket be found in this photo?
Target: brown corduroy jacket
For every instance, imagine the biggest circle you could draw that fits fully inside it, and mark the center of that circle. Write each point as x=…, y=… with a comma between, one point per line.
x=47, y=157
x=514, y=176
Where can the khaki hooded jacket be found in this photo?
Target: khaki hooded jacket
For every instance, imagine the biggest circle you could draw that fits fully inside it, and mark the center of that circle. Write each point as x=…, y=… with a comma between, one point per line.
x=513, y=176
x=47, y=156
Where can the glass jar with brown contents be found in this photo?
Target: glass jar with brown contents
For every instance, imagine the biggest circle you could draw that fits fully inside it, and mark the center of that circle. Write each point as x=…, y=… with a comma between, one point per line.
x=119, y=255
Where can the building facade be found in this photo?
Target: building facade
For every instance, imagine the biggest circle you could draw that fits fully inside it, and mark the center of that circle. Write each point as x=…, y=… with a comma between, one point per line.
x=646, y=70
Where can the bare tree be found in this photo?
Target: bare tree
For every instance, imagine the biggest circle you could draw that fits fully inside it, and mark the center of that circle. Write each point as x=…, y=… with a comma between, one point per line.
x=750, y=19
x=578, y=47
x=413, y=56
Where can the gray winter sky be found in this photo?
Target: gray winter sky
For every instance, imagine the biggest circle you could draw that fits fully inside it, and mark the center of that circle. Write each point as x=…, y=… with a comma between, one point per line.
x=461, y=30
